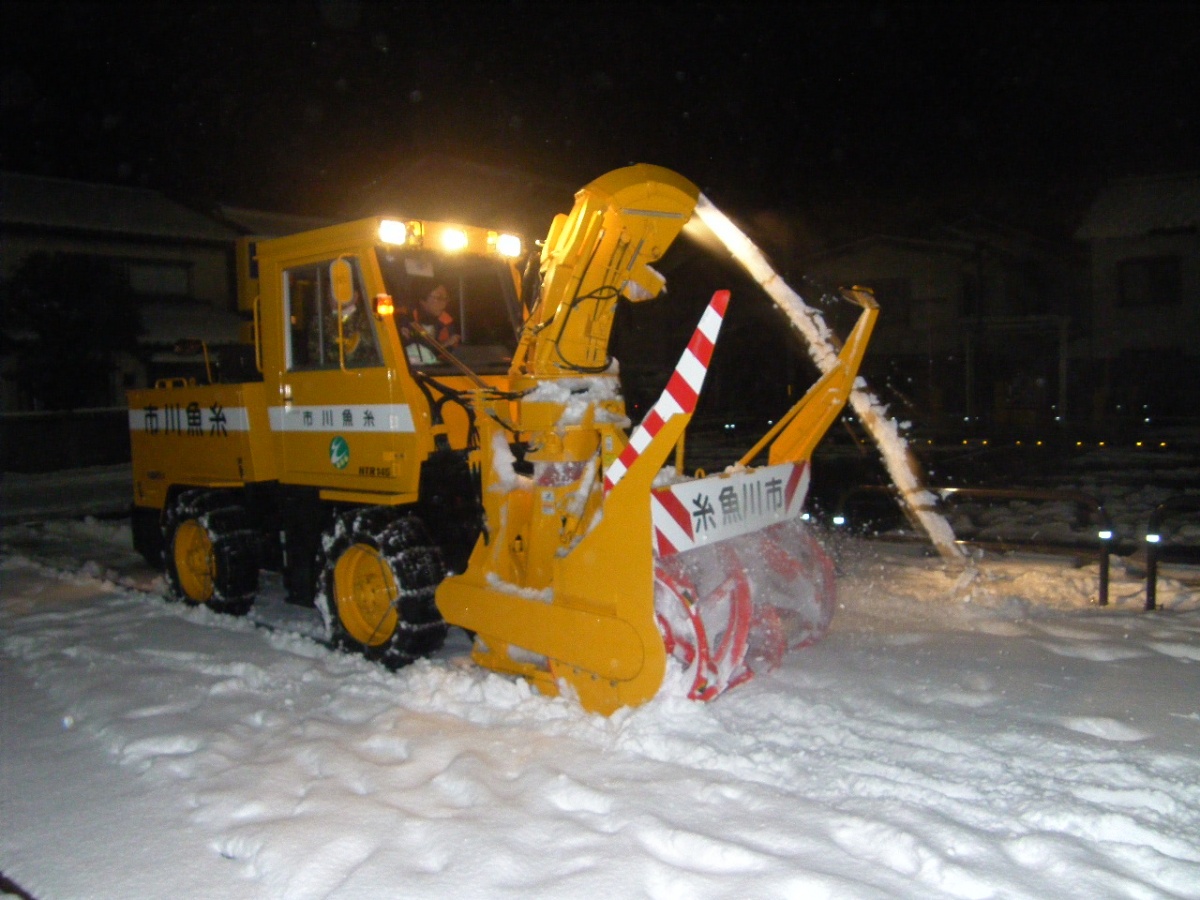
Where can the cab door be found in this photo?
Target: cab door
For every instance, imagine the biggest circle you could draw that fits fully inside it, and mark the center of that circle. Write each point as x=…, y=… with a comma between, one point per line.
x=339, y=421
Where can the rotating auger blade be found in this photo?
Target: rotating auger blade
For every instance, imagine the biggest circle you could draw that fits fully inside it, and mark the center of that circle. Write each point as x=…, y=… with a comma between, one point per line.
x=738, y=578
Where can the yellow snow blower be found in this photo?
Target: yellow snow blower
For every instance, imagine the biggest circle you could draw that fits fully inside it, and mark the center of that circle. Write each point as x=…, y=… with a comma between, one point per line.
x=364, y=454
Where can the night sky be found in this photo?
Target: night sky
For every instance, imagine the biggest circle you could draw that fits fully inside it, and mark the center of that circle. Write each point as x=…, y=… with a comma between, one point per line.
x=298, y=107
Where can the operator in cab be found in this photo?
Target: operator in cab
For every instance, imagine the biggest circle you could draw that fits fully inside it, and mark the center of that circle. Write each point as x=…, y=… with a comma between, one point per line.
x=355, y=335
x=429, y=316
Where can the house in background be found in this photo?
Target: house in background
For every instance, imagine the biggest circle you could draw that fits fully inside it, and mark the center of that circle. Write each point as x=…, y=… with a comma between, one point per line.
x=1144, y=251
x=166, y=249
x=178, y=262
x=979, y=321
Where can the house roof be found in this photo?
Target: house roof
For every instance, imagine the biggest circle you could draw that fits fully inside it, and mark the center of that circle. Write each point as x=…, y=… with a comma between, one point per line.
x=58, y=203
x=1138, y=206
x=268, y=224
x=962, y=239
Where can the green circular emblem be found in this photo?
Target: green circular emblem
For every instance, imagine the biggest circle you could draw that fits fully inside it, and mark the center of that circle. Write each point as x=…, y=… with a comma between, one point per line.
x=339, y=452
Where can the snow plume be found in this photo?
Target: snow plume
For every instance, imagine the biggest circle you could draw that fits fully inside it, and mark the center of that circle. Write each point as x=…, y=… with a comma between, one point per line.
x=903, y=468
x=806, y=320
x=901, y=464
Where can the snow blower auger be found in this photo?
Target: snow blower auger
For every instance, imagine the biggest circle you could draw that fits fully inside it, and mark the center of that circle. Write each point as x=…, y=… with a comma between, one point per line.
x=594, y=565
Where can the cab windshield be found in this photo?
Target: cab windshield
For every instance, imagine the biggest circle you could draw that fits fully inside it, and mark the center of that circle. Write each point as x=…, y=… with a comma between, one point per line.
x=466, y=303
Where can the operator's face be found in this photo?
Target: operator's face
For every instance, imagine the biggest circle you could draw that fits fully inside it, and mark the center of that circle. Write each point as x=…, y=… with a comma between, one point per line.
x=436, y=300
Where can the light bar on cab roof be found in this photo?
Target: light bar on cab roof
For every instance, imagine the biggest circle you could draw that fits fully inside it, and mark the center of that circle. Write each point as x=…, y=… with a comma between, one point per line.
x=393, y=232
x=449, y=238
x=454, y=239
x=508, y=245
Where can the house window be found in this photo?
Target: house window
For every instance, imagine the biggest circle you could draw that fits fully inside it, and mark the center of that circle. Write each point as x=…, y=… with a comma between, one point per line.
x=1149, y=281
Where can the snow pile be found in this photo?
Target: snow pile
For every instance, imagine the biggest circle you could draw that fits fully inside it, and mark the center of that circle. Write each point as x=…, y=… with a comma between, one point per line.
x=579, y=396
x=983, y=733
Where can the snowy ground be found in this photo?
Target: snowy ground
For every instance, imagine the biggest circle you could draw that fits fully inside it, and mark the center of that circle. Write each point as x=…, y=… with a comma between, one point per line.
x=982, y=734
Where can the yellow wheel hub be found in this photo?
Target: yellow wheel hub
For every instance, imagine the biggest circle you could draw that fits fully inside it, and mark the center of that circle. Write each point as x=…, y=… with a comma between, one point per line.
x=365, y=591
x=195, y=562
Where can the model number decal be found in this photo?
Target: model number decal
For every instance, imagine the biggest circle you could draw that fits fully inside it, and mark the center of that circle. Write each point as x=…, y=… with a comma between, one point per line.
x=375, y=471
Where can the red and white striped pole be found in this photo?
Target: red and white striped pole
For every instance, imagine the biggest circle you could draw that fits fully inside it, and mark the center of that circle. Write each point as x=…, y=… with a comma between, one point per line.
x=681, y=393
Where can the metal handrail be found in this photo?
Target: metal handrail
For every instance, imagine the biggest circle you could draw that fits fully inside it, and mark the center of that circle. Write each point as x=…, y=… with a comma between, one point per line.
x=1180, y=503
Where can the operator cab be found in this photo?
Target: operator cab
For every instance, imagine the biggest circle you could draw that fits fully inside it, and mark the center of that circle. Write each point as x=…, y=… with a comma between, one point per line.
x=474, y=310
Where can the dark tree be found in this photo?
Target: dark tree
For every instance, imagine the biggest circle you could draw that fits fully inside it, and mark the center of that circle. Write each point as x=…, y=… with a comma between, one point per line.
x=68, y=317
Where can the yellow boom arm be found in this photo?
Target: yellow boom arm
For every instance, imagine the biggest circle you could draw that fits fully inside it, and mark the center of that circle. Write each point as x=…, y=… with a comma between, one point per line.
x=800, y=429
x=622, y=223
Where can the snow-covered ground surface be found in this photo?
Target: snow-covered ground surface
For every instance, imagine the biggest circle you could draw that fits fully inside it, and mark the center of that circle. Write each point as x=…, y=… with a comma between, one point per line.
x=979, y=733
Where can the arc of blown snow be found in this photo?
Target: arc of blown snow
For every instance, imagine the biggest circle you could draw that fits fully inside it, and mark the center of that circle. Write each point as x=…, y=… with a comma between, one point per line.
x=897, y=456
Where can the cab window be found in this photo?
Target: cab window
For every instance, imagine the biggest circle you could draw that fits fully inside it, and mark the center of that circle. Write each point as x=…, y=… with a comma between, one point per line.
x=323, y=334
x=468, y=304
